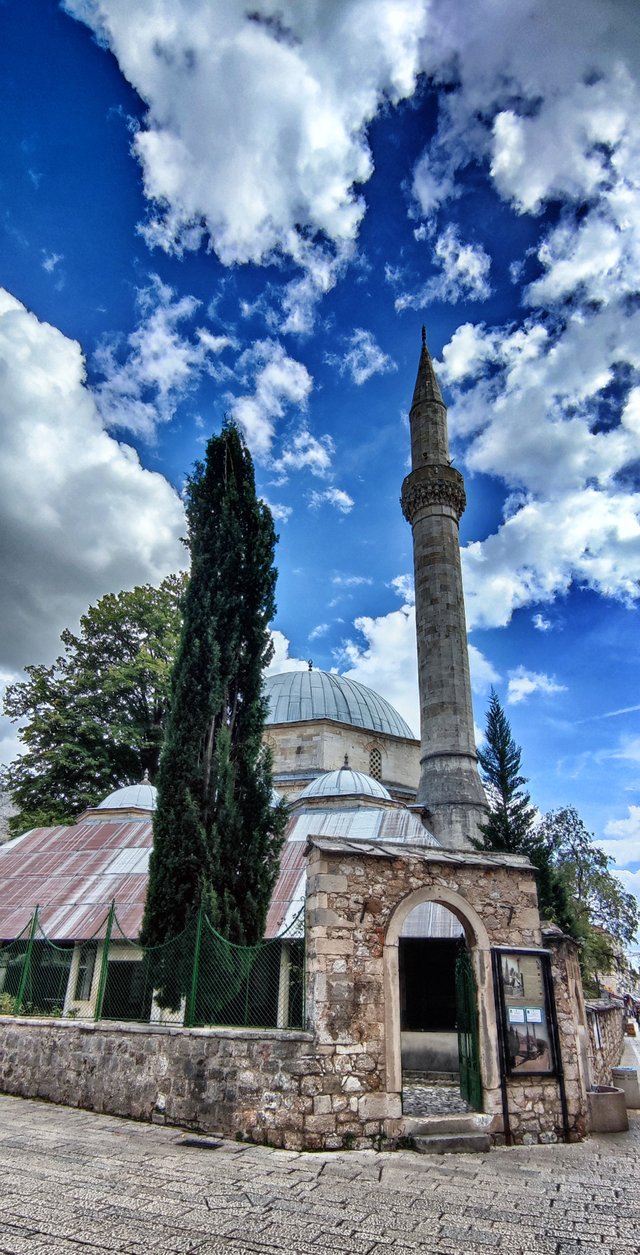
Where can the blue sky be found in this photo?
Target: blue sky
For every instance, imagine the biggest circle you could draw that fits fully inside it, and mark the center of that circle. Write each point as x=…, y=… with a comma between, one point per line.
x=210, y=211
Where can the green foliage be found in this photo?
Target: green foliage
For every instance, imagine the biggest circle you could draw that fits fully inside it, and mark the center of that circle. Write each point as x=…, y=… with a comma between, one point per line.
x=510, y=816
x=216, y=836
x=94, y=719
x=607, y=916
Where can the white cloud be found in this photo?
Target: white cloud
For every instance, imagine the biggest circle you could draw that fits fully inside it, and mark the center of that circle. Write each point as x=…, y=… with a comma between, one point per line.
x=363, y=358
x=464, y=270
x=628, y=750
x=306, y=452
x=336, y=497
x=255, y=128
x=79, y=516
x=350, y=581
x=386, y=662
x=279, y=383
x=403, y=587
x=144, y=380
x=623, y=838
x=541, y=624
x=483, y=672
x=282, y=661
x=52, y=260
x=281, y=513
x=320, y=629
x=523, y=684
x=546, y=98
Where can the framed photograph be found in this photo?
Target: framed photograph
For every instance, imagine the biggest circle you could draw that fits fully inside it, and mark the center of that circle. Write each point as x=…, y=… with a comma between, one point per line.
x=522, y=978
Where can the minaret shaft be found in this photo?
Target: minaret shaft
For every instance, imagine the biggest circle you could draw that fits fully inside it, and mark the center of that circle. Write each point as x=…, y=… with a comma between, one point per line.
x=433, y=500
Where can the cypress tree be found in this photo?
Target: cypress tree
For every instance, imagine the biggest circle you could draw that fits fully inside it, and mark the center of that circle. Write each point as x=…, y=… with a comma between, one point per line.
x=216, y=835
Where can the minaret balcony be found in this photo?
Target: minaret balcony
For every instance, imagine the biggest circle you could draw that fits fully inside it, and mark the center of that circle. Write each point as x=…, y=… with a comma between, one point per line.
x=432, y=486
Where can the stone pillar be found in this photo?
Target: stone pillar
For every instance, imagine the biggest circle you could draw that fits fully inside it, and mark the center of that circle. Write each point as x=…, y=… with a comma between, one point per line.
x=433, y=500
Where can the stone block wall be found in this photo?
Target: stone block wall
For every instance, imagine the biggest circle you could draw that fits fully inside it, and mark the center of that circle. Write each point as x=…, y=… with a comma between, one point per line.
x=356, y=903
x=606, y=1039
x=235, y=1082
x=304, y=749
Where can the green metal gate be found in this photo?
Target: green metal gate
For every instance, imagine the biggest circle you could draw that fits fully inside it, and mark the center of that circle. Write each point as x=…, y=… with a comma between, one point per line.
x=468, y=1039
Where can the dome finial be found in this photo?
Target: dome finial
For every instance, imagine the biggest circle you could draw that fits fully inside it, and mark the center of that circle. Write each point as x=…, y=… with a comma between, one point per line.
x=346, y=761
x=145, y=778
x=310, y=664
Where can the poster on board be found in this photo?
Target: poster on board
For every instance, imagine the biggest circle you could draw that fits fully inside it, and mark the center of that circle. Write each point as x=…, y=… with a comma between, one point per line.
x=527, y=1032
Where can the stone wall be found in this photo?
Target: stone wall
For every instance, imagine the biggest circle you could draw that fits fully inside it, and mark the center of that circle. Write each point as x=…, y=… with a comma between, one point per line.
x=230, y=1081
x=305, y=749
x=606, y=1039
x=357, y=902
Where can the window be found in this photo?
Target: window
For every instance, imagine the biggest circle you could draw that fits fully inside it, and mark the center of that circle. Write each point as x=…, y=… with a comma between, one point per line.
x=375, y=763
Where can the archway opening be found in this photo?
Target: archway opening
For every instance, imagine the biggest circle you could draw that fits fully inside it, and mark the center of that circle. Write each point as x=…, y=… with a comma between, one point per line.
x=438, y=1005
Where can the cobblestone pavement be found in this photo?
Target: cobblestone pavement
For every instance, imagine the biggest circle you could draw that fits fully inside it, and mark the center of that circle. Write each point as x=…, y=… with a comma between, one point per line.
x=420, y=1099
x=75, y=1183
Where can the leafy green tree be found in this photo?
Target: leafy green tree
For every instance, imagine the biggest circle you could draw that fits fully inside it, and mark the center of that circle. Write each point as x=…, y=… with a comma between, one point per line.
x=217, y=836
x=608, y=917
x=511, y=815
x=94, y=720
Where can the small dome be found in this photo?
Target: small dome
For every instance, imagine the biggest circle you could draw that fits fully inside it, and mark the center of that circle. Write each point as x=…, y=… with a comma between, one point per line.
x=345, y=783
x=139, y=796
x=298, y=696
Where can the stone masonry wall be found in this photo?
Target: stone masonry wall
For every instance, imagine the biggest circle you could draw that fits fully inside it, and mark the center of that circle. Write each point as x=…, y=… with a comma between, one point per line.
x=606, y=1023
x=235, y=1082
x=352, y=897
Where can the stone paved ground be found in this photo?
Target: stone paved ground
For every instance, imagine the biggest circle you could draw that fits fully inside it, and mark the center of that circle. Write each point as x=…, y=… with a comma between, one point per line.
x=74, y=1183
x=421, y=1099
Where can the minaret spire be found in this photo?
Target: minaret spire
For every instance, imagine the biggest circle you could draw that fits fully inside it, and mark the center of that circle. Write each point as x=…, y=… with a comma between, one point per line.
x=433, y=500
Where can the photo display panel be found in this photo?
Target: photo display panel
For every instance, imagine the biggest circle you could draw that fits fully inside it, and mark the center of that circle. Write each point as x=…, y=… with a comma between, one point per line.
x=527, y=1030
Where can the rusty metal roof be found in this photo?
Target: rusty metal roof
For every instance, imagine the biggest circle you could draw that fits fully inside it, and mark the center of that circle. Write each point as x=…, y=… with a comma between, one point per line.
x=73, y=874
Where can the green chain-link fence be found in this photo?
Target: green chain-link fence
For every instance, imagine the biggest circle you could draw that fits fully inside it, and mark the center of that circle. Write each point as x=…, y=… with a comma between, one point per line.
x=196, y=978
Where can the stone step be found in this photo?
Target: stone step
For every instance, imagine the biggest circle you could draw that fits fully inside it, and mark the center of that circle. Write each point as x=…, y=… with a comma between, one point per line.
x=472, y=1123
x=452, y=1144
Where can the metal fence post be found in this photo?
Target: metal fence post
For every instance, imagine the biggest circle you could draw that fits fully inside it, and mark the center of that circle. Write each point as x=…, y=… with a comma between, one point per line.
x=26, y=966
x=190, y=1011
x=105, y=962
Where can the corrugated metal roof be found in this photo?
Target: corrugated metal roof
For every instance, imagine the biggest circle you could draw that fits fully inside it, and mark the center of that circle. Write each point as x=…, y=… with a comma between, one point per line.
x=299, y=696
x=73, y=874
x=360, y=823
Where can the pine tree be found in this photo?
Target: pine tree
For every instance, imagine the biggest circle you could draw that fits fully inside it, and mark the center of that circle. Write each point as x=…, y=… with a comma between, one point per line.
x=510, y=823
x=511, y=815
x=217, y=836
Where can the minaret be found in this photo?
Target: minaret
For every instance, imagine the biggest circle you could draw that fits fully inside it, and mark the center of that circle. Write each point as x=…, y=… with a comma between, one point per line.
x=433, y=500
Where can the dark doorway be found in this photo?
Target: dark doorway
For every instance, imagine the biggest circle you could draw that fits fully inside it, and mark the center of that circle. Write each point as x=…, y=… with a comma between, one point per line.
x=427, y=984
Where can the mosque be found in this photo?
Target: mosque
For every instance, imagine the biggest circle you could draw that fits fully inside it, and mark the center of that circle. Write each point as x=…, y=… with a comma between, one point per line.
x=346, y=761
x=422, y=953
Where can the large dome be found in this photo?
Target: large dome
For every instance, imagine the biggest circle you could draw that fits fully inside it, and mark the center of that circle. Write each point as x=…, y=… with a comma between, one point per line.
x=298, y=696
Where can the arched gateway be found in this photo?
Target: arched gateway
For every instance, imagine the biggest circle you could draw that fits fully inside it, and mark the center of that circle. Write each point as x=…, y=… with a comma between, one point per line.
x=530, y=1023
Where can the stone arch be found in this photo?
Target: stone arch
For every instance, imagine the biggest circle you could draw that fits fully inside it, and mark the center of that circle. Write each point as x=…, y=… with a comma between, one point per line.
x=479, y=946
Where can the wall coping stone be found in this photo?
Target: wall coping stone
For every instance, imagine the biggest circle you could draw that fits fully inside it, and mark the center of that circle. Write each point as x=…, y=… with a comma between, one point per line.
x=158, y=1030
x=426, y=853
